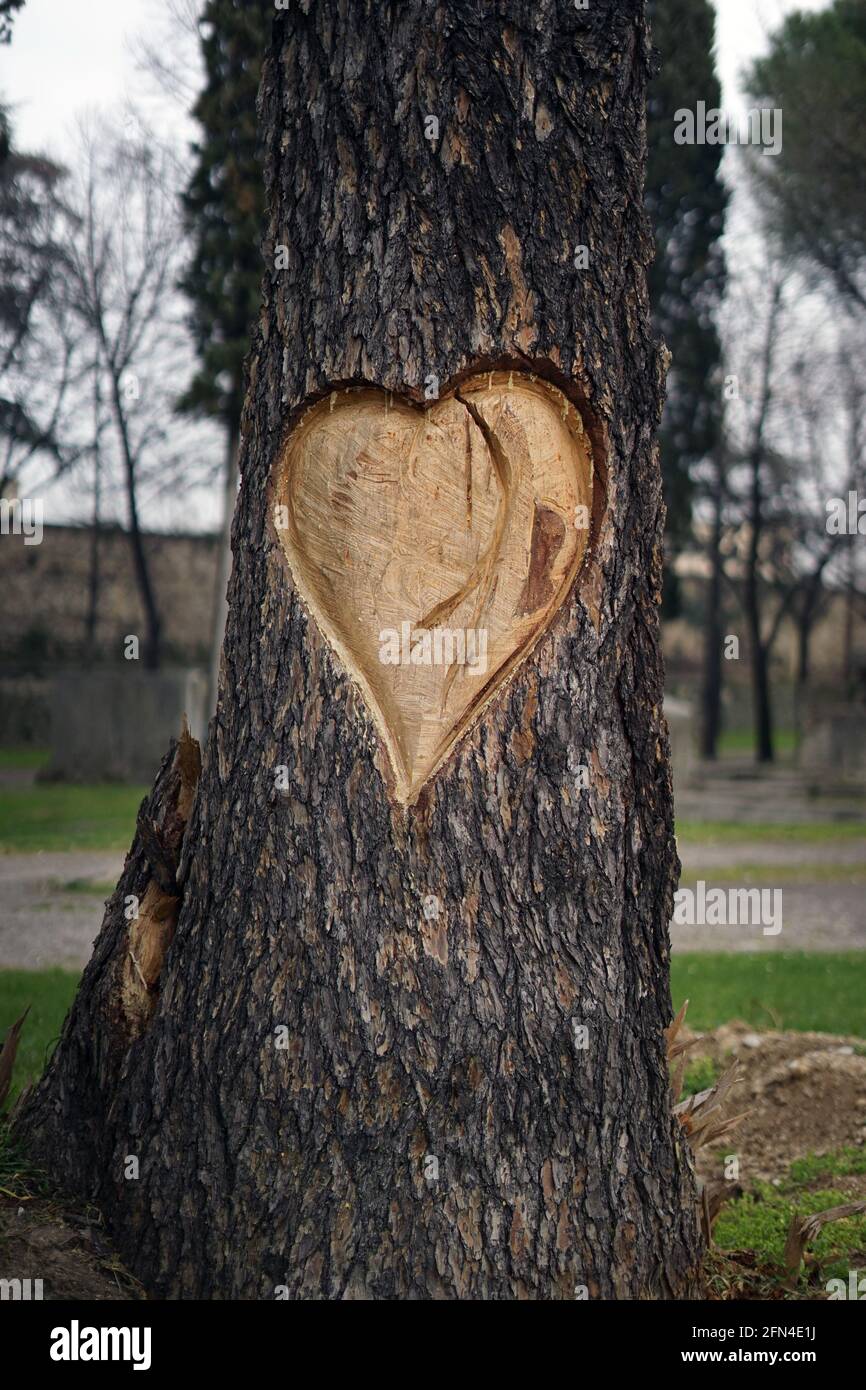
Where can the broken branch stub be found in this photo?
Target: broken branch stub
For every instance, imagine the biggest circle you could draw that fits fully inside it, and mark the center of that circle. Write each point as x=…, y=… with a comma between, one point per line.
x=434, y=546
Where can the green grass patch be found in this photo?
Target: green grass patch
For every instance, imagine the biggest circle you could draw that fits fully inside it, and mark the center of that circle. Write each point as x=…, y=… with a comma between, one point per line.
x=57, y=816
x=90, y=887
x=49, y=994
x=22, y=757
x=735, y=742
x=761, y=1219
x=699, y=1076
x=821, y=1168
x=20, y=1178
x=803, y=991
x=804, y=832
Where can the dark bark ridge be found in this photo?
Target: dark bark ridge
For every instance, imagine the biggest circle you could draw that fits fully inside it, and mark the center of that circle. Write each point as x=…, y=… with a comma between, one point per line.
x=341, y=1093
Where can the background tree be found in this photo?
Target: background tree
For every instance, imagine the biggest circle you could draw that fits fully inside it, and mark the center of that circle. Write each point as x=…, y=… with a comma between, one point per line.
x=852, y=371
x=514, y=1031
x=787, y=451
x=815, y=72
x=40, y=357
x=687, y=200
x=124, y=266
x=225, y=210
x=93, y=338
x=8, y=10
x=828, y=459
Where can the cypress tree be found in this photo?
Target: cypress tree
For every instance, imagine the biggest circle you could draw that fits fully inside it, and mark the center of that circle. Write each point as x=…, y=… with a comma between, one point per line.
x=686, y=200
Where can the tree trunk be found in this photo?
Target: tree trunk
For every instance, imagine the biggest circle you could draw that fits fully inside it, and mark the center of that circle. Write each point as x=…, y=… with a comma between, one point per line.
x=389, y=1022
x=224, y=563
x=801, y=683
x=762, y=709
x=141, y=566
x=805, y=618
x=93, y=569
x=711, y=723
x=848, y=682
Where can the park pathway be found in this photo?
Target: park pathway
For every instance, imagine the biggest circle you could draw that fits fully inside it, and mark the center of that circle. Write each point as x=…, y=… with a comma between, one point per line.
x=51, y=904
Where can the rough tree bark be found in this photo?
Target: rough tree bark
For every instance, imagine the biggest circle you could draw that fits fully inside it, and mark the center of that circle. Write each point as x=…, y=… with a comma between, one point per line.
x=332, y=1089
x=224, y=566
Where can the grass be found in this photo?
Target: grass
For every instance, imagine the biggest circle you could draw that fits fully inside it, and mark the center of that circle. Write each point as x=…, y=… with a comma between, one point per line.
x=760, y=1220
x=23, y=758
x=20, y=1178
x=820, y=1168
x=699, y=1076
x=57, y=816
x=806, y=992
x=805, y=832
x=90, y=887
x=734, y=742
x=49, y=994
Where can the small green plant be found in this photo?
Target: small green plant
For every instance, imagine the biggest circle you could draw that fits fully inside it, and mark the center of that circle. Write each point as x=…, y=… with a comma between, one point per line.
x=841, y=1163
x=761, y=1219
x=700, y=1075
x=47, y=994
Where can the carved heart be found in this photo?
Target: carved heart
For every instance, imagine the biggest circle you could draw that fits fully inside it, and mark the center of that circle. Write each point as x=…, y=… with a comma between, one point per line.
x=432, y=547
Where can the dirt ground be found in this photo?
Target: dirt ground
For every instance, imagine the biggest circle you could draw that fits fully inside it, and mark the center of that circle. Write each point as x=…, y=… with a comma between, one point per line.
x=805, y=1094
x=61, y=1247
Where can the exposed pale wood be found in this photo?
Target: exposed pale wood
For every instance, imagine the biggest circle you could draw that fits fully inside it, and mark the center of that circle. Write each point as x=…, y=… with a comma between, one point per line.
x=466, y=521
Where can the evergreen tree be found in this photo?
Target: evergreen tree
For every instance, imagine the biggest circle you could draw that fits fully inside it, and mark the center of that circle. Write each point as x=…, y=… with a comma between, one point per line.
x=34, y=222
x=225, y=205
x=686, y=200
x=8, y=9
x=815, y=72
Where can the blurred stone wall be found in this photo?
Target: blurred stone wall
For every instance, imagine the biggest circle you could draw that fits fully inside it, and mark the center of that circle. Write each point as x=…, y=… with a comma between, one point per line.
x=44, y=598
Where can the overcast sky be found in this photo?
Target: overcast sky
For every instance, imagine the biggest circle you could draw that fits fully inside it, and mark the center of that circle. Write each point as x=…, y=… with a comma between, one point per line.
x=68, y=58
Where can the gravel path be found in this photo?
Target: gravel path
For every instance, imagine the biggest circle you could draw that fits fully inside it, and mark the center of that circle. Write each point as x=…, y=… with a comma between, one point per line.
x=43, y=922
x=826, y=915
x=698, y=857
x=815, y=917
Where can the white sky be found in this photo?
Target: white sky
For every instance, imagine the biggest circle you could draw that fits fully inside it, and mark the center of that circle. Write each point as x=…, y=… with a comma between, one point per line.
x=742, y=27
x=67, y=58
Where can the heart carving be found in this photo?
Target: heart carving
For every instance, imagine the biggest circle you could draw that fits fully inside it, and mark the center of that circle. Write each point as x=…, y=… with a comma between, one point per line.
x=433, y=546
